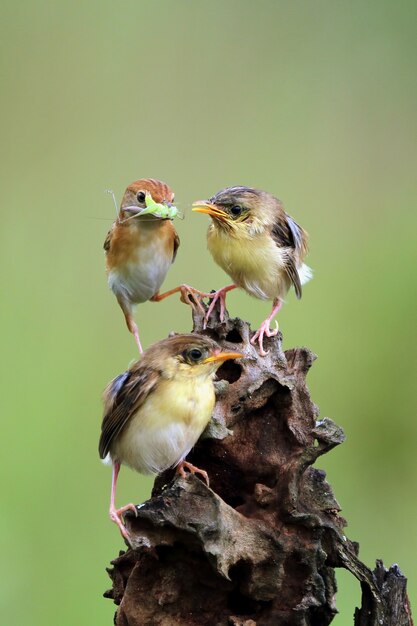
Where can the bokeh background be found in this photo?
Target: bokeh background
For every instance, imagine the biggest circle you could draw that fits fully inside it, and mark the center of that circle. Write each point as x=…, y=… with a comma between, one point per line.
x=313, y=101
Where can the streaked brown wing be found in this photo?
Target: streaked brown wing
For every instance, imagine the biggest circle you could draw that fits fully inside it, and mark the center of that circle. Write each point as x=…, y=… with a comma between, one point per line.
x=176, y=245
x=293, y=275
x=288, y=234
x=122, y=398
x=107, y=241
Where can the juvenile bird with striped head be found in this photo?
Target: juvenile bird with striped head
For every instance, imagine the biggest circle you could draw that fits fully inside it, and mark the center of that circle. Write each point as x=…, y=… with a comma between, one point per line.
x=259, y=245
x=155, y=412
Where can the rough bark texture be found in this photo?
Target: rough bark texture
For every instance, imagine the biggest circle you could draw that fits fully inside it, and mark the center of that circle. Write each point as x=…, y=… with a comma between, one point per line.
x=258, y=547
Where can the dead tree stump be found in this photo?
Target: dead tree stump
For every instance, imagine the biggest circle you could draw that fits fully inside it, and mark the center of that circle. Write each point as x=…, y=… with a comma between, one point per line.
x=259, y=547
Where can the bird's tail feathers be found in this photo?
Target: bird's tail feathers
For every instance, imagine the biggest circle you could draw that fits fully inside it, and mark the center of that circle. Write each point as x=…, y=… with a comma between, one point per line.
x=305, y=273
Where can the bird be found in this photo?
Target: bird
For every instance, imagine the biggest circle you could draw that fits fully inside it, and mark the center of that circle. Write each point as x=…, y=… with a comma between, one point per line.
x=155, y=412
x=140, y=249
x=259, y=245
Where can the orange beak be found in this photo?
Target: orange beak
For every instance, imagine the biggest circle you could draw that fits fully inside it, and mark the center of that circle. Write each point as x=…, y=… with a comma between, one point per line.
x=223, y=356
x=203, y=206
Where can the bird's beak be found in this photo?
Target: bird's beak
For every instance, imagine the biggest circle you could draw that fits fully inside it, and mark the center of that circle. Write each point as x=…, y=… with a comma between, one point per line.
x=132, y=209
x=223, y=356
x=203, y=206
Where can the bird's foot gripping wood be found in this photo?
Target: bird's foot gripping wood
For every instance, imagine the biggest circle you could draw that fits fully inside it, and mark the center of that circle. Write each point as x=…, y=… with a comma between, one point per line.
x=189, y=295
x=193, y=470
x=192, y=296
x=265, y=330
x=116, y=516
x=220, y=296
x=259, y=335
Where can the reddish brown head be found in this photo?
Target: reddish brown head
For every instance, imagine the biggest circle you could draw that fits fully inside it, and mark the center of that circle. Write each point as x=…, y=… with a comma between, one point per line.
x=134, y=196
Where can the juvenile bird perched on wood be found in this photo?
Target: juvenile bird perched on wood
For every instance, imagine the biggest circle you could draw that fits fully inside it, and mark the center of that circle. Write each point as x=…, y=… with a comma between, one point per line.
x=140, y=248
x=155, y=412
x=259, y=245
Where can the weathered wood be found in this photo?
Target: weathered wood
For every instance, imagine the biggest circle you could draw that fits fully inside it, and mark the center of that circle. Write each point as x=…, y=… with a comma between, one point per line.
x=259, y=547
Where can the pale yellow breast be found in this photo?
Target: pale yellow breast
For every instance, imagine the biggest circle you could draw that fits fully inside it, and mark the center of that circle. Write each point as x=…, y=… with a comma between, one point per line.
x=254, y=262
x=167, y=426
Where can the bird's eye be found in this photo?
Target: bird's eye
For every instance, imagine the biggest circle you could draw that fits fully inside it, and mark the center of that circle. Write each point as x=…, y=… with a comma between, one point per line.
x=236, y=210
x=195, y=354
x=141, y=196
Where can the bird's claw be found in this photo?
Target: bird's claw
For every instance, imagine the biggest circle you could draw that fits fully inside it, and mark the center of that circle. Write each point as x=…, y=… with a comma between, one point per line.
x=272, y=333
x=193, y=470
x=259, y=335
x=191, y=296
x=210, y=310
x=116, y=516
x=215, y=296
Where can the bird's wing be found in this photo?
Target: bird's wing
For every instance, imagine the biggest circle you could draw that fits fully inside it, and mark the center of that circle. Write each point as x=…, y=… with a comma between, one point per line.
x=122, y=398
x=107, y=241
x=176, y=245
x=288, y=234
x=293, y=275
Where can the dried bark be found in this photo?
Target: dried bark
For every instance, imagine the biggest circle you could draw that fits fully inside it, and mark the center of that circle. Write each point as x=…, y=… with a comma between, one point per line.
x=259, y=547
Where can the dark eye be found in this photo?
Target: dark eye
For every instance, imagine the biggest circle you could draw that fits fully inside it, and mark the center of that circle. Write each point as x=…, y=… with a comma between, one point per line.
x=236, y=210
x=195, y=354
x=141, y=196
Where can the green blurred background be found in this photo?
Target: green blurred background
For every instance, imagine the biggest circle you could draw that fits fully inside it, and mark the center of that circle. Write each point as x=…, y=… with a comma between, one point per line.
x=313, y=101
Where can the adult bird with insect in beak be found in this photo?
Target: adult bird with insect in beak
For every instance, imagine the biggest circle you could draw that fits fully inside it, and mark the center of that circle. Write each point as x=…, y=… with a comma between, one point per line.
x=155, y=412
x=141, y=246
x=259, y=245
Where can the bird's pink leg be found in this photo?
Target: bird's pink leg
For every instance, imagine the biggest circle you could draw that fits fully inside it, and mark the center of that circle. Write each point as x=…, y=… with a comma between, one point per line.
x=135, y=332
x=130, y=322
x=193, y=469
x=116, y=514
x=218, y=295
x=264, y=327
